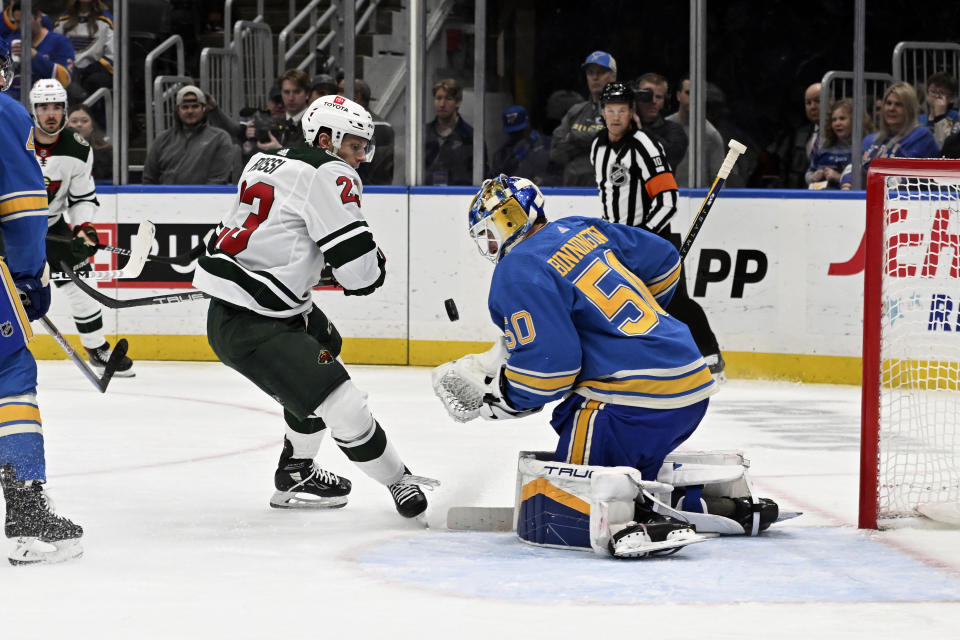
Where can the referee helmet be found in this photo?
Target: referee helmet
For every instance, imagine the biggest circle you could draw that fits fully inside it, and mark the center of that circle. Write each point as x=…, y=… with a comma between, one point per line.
x=617, y=93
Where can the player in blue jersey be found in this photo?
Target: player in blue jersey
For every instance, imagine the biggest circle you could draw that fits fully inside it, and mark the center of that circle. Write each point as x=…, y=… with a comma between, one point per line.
x=39, y=534
x=580, y=302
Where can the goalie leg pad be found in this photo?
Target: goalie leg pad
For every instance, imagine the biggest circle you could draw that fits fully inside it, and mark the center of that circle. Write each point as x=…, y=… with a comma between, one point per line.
x=579, y=506
x=713, y=490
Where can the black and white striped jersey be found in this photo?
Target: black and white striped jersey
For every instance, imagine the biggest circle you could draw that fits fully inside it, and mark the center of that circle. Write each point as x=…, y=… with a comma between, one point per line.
x=636, y=183
x=297, y=210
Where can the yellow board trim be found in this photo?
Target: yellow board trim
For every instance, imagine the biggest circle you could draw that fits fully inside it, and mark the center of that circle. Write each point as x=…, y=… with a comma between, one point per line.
x=430, y=353
x=541, y=486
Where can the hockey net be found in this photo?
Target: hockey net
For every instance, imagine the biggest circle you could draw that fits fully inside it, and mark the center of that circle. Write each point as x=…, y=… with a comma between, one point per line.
x=910, y=417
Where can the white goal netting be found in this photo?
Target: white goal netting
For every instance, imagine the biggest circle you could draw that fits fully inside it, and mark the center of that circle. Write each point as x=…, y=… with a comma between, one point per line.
x=919, y=420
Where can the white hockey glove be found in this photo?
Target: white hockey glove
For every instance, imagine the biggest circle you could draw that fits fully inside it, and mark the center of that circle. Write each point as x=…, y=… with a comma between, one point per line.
x=470, y=387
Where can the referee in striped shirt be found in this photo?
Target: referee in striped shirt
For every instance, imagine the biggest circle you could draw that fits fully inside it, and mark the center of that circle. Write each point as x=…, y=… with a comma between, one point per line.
x=637, y=188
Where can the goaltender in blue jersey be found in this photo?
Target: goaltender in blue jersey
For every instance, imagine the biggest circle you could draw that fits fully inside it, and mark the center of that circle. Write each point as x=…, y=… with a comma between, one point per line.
x=580, y=302
x=39, y=534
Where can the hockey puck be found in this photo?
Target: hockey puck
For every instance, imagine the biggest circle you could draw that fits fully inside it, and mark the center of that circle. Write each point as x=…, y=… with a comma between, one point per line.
x=452, y=312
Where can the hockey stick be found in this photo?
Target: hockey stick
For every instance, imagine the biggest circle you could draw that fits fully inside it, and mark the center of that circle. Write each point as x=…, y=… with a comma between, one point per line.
x=182, y=260
x=100, y=382
x=736, y=148
x=139, y=247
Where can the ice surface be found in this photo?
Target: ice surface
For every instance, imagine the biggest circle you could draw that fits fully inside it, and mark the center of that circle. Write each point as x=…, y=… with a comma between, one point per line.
x=170, y=473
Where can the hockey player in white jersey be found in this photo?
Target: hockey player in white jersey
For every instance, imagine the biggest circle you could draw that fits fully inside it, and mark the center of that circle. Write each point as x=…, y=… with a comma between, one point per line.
x=66, y=160
x=297, y=211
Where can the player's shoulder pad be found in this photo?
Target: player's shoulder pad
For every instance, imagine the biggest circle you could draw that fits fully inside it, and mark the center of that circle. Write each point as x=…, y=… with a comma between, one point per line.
x=72, y=144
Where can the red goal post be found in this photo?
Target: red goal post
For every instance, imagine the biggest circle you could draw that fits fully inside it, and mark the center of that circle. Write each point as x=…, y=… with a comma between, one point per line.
x=910, y=404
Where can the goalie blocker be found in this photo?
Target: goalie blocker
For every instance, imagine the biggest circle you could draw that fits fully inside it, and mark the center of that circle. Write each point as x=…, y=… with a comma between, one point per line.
x=614, y=512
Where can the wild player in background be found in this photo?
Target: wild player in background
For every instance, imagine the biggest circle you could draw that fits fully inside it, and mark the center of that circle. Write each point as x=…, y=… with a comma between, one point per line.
x=66, y=160
x=23, y=274
x=299, y=209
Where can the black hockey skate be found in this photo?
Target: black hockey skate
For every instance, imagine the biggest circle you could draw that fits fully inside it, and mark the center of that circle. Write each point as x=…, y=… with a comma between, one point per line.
x=651, y=534
x=101, y=355
x=716, y=365
x=742, y=509
x=301, y=484
x=407, y=495
x=39, y=534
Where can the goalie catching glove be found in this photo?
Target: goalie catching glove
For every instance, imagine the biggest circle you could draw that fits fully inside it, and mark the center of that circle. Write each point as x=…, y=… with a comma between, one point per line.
x=473, y=386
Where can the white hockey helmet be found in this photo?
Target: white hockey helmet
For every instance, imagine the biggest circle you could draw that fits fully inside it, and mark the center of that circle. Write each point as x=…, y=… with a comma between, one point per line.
x=45, y=91
x=341, y=116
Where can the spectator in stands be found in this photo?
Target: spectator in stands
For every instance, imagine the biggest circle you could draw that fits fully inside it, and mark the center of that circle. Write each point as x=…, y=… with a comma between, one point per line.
x=827, y=165
x=10, y=21
x=287, y=133
x=527, y=153
x=899, y=134
x=380, y=169
x=558, y=104
x=275, y=104
x=89, y=27
x=448, y=144
x=669, y=134
x=797, y=149
x=323, y=85
x=570, y=144
x=941, y=114
x=81, y=121
x=52, y=53
x=191, y=151
x=715, y=149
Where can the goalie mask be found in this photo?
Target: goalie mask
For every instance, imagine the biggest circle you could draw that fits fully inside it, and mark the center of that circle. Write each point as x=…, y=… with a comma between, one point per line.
x=341, y=116
x=502, y=213
x=48, y=91
x=6, y=64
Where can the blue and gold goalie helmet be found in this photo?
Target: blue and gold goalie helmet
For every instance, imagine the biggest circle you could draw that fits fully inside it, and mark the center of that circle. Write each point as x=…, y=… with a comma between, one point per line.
x=502, y=213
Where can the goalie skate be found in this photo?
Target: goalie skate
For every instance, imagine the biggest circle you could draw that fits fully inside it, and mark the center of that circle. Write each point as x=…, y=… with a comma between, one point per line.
x=638, y=540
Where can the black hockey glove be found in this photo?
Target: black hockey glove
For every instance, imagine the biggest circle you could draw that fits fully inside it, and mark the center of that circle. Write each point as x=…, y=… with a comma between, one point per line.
x=381, y=262
x=84, y=243
x=35, y=293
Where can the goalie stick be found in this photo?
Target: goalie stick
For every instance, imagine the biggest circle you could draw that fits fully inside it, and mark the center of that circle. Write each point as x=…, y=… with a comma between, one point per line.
x=100, y=382
x=182, y=260
x=139, y=248
x=736, y=149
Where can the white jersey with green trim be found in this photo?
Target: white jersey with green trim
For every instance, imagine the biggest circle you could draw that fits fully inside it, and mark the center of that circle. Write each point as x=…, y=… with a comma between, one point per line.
x=67, y=166
x=296, y=210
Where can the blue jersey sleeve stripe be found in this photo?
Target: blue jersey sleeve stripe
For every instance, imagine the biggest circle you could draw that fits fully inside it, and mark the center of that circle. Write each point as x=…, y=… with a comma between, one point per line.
x=22, y=204
x=545, y=384
x=665, y=284
x=21, y=194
